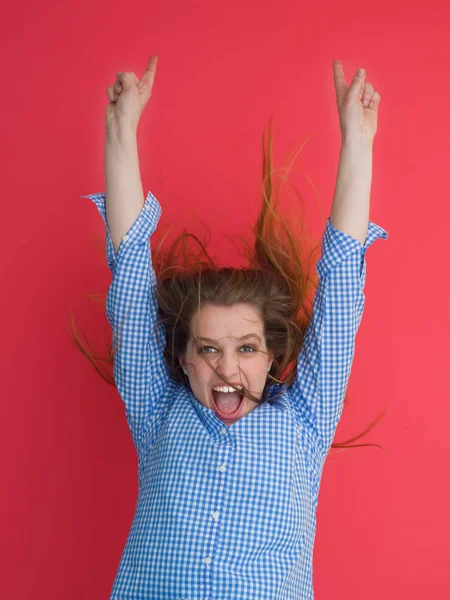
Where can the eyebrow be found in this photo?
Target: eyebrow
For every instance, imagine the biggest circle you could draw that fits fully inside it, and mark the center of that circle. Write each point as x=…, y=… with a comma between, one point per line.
x=244, y=337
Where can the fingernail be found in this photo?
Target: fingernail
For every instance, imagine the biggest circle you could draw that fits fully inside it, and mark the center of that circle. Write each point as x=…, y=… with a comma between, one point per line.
x=361, y=72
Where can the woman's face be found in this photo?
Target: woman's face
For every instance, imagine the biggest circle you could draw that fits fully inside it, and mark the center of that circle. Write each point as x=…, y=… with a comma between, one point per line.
x=239, y=360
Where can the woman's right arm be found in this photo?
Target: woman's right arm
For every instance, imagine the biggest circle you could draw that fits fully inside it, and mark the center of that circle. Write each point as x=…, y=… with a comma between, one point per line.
x=139, y=339
x=140, y=371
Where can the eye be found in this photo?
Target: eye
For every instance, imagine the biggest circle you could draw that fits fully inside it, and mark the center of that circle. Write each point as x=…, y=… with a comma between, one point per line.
x=202, y=348
x=248, y=346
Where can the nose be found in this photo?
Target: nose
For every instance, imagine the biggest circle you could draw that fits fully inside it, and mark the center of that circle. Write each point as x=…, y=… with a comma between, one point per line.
x=229, y=365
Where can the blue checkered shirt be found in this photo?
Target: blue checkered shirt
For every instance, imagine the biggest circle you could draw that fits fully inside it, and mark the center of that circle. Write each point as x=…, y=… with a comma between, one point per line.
x=227, y=513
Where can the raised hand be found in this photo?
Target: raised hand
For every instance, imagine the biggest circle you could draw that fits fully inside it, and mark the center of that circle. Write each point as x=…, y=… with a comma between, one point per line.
x=357, y=118
x=128, y=97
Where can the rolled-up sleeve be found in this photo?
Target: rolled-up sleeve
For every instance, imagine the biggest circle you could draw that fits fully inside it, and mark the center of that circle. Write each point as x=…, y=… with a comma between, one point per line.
x=140, y=371
x=325, y=361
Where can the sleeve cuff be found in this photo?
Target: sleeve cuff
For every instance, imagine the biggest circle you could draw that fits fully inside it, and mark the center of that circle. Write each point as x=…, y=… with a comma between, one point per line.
x=337, y=245
x=141, y=229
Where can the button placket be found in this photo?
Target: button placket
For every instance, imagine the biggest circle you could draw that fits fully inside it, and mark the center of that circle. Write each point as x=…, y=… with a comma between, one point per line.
x=215, y=515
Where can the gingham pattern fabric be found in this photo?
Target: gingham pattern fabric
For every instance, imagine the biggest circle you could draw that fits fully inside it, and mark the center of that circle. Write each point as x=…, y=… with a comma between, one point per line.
x=227, y=513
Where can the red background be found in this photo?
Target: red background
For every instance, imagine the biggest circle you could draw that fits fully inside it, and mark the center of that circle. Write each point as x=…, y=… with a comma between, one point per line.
x=69, y=468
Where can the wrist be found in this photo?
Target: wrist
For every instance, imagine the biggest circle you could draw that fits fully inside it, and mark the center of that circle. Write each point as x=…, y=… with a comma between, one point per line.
x=357, y=142
x=123, y=134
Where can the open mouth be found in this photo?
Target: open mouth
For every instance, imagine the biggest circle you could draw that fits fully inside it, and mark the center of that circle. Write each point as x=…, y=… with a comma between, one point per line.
x=224, y=414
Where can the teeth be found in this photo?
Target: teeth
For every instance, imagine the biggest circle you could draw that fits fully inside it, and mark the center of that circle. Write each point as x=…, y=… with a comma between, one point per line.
x=226, y=389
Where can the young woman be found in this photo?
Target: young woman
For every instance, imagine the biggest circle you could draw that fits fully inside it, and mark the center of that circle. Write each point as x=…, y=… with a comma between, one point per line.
x=230, y=453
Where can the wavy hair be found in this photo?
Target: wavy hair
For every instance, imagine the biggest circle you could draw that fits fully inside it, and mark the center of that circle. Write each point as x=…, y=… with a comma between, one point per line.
x=280, y=283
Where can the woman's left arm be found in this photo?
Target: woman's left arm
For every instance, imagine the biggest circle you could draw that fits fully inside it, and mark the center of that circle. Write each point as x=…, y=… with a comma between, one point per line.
x=358, y=121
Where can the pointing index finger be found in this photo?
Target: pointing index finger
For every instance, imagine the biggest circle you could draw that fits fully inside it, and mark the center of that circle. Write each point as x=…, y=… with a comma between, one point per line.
x=340, y=82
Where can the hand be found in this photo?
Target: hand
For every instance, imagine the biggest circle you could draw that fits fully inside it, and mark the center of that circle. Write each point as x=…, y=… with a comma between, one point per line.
x=356, y=120
x=128, y=97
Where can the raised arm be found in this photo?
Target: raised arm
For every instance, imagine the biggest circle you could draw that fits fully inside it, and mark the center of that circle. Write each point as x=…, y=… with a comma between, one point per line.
x=326, y=358
x=140, y=372
x=124, y=195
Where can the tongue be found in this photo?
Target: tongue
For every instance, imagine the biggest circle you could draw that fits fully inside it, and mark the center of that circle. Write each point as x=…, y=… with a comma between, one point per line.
x=227, y=402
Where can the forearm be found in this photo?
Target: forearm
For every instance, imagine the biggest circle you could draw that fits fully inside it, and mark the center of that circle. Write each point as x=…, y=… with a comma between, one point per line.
x=351, y=202
x=124, y=192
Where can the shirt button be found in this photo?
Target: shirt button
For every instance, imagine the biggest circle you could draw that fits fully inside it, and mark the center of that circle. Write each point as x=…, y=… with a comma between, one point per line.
x=223, y=430
x=215, y=515
x=125, y=237
x=222, y=468
x=147, y=206
x=207, y=560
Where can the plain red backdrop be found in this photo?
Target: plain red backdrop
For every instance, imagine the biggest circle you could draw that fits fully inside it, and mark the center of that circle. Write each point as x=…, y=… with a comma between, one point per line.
x=69, y=468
